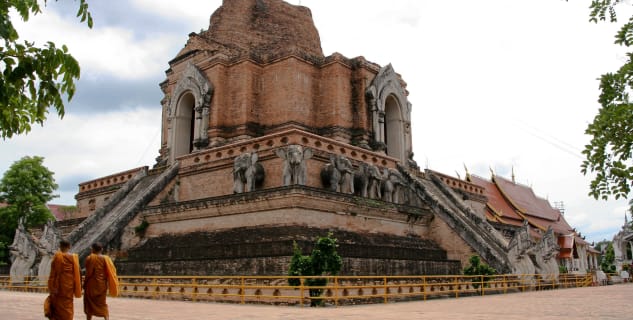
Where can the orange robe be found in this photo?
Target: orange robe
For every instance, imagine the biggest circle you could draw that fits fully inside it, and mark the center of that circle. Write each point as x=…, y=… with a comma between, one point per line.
x=64, y=282
x=100, y=278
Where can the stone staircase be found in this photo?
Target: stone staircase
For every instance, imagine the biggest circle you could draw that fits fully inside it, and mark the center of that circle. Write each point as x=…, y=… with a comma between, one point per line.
x=477, y=232
x=108, y=221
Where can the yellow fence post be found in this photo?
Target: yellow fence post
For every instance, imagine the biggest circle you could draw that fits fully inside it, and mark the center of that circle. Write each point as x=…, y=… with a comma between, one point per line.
x=194, y=289
x=386, y=289
x=424, y=288
x=302, y=280
x=336, y=291
x=154, y=288
x=242, y=290
x=481, y=284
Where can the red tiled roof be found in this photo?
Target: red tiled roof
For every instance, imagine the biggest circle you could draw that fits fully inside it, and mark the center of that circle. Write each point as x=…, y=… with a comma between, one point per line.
x=496, y=202
x=525, y=200
x=511, y=203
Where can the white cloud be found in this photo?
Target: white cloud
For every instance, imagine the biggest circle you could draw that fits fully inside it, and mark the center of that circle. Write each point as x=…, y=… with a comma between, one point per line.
x=196, y=12
x=89, y=146
x=112, y=50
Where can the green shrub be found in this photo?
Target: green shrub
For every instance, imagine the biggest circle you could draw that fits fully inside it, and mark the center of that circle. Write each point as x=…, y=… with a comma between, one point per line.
x=476, y=268
x=324, y=260
x=141, y=228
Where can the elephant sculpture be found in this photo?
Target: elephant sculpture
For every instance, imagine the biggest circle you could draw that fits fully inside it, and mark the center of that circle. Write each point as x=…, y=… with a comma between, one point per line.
x=294, y=168
x=375, y=182
x=338, y=175
x=367, y=181
x=247, y=173
x=393, y=186
x=361, y=180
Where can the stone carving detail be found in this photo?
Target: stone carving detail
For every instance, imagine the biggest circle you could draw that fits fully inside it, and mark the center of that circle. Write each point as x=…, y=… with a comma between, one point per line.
x=545, y=254
x=522, y=240
x=518, y=252
x=529, y=257
x=23, y=254
x=338, y=175
x=393, y=186
x=47, y=246
x=247, y=172
x=294, y=168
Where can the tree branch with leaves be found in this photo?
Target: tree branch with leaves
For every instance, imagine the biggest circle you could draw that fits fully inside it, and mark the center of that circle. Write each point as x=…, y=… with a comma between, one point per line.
x=33, y=79
x=609, y=154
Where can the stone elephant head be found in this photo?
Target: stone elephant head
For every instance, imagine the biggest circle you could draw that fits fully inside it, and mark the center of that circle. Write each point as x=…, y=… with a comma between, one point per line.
x=247, y=172
x=294, y=168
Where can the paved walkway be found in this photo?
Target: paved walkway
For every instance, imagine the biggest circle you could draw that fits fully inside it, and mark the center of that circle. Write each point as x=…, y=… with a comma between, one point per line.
x=607, y=302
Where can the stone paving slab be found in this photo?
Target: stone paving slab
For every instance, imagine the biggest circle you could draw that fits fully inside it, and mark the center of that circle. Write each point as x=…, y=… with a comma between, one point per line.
x=606, y=302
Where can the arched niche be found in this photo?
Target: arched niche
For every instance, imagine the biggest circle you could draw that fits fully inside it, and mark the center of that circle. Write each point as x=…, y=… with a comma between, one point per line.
x=183, y=125
x=390, y=115
x=188, y=113
x=393, y=128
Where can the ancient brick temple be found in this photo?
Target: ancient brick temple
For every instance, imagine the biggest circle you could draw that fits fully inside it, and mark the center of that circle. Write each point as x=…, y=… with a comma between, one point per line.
x=266, y=141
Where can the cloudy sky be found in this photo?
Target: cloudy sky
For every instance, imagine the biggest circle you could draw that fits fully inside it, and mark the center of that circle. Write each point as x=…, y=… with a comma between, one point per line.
x=494, y=84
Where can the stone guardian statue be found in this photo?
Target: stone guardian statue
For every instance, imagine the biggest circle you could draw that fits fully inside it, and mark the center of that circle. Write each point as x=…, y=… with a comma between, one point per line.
x=23, y=254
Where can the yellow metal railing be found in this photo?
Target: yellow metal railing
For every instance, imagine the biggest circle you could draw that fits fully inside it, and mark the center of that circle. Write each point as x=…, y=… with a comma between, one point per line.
x=339, y=290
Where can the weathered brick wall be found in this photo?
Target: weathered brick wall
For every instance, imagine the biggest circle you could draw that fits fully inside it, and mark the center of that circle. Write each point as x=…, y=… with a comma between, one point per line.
x=275, y=266
x=264, y=27
x=66, y=226
x=456, y=248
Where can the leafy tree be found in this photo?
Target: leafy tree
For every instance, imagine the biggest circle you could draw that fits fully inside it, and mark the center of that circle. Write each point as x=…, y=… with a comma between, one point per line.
x=610, y=153
x=25, y=188
x=477, y=268
x=32, y=78
x=324, y=260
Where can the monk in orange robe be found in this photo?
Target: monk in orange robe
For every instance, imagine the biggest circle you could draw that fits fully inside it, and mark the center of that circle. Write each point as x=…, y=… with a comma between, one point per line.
x=64, y=282
x=100, y=279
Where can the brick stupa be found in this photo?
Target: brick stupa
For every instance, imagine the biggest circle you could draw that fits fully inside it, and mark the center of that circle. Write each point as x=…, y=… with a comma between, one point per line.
x=266, y=141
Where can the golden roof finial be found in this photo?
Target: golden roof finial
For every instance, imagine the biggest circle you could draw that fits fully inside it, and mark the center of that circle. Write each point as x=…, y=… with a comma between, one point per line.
x=513, y=180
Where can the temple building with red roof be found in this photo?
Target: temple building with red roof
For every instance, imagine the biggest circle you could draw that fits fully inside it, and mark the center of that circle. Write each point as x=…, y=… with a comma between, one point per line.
x=510, y=205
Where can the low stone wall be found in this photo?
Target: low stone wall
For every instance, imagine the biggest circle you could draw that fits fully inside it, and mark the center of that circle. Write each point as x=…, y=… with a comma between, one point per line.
x=267, y=251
